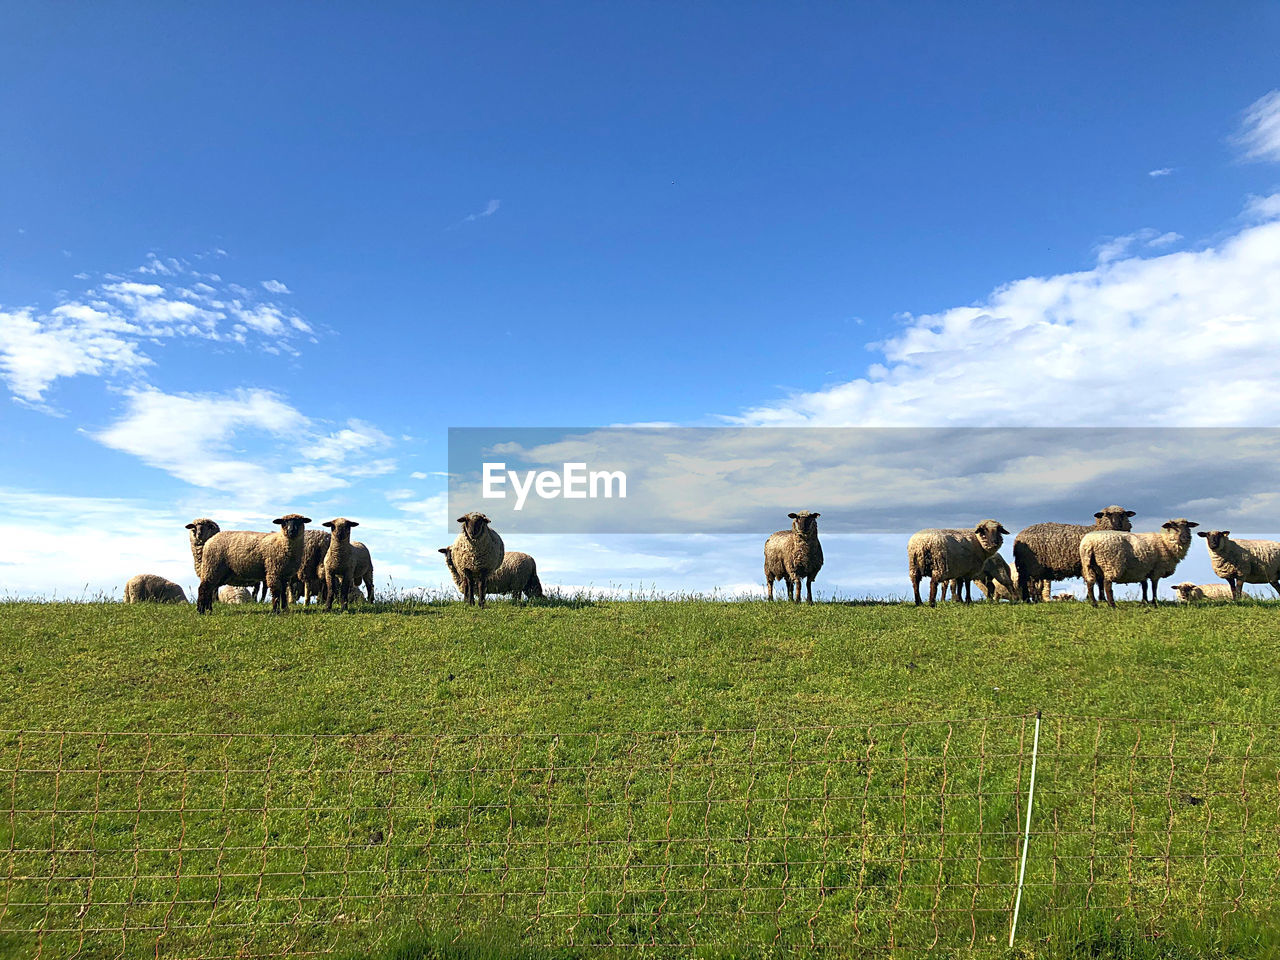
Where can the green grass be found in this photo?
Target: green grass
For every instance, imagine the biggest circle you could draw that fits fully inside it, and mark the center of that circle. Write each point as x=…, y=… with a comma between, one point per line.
x=743, y=777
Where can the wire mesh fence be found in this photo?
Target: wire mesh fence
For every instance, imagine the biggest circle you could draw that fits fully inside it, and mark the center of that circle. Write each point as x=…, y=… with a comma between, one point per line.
x=885, y=836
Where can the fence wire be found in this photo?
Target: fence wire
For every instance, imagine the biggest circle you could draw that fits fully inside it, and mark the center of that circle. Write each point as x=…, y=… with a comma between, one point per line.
x=861, y=838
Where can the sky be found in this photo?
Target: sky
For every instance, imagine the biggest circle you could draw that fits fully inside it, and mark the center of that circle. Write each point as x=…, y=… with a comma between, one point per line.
x=256, y=261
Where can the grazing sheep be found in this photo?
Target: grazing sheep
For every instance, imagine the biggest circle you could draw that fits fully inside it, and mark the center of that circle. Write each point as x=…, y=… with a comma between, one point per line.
x=363, y=572
x=958, y=555
x=152, y=588
x=1192, y=593
x=1109, y=556
x=202, y=529
x=477, y=553
x=1243, y=561
x=1044, y=552
x=240, y=557
x=230, y=594
x=992, y=573
x=339, y=564
x=794, y=556
x=308, y=582
x=516, y=575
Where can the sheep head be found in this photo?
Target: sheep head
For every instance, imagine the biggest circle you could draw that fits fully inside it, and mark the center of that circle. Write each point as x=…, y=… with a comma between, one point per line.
x=1113, y=518
x=202, y=528
x=1216, y=538
x=448, y=557
x=473, y=525
x=990, y=534
x=1183, y=590
x=341, y=528
x=804, y=523
x=292, y=525
x=1178, y=530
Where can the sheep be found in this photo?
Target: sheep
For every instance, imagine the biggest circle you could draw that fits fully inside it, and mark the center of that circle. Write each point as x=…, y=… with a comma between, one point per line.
x=1063, y=597
x=1110, y=556
x=794, y=556
x=308, y=582
x=152, y=588
x=516, y=575
x=202, y=528
x=1192, y=593
x=240, y=556
x=1243, y=561
x=363, y=572
x=1044, y=552
x=996, y=572
x=959, y=555
x=339, y=565
x=477, y=553
x=230, y=594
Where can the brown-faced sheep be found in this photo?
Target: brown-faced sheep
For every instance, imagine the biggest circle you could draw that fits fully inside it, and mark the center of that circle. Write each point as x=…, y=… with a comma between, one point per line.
x=339, y=565
x=1243, y=561
x=943, y=555
x=1045, y=552
x=516, y=575
x=477, y=553
x=1189, y=592
x=794, y=556
x=202, y=529
x=1109, y=556
x=308, y=582
x=152, y=588
x=241, y=556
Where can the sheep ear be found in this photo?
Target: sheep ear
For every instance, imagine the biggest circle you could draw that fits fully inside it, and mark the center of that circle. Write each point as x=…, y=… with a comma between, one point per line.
x=815, y=515
x=1128, y=513
x=444, y=550
x=1204, y=534
x=1000, y=529
x=191, y=526
x=279, y=520
x=1098, y=515
x=353, y=523
x=791, y=516
x=461, y=520
x=306, y=519
x=1192, y=523
x=327, y=523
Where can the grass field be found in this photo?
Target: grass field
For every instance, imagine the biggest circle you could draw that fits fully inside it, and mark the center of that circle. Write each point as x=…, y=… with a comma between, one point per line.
x=739, y=778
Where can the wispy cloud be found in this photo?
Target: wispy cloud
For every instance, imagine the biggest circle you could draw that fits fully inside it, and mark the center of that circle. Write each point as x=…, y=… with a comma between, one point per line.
x=490, y=209
x=1117, y=247
x=275, y=286
x=1160, y=172
x=1259, y=134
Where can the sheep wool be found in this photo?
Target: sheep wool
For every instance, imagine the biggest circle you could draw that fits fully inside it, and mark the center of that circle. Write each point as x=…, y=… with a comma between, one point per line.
x=1045, y=552
x=1110, y=556
x=516, y=575
x=202, y=530
x=943, y=554
x=794, y=556
x=1243, y=561
x=241, y=557
x=1198, y=593
x=152, y=588
x=477, y=553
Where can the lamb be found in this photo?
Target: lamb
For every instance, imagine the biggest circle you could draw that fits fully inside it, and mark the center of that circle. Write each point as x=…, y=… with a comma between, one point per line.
x=1192, y=593
x=202, y=529
x=1111, y=556
x=230, y=594
x=516, y=575
x=794, y=556
x=1044, y=552
x=959, y=555
x=477, y=553
x=1243, y=561
x=152, y=588
x=339, y=563
x=240, y=557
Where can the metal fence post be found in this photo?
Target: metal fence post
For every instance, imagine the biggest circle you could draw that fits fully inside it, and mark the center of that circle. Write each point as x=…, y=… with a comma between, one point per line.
x=1026, y=835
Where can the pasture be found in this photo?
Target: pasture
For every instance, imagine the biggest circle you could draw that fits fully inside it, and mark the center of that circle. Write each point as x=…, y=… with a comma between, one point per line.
x=677, y=777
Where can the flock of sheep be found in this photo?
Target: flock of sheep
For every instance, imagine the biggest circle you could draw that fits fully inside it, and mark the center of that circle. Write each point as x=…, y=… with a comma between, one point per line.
x=293, y=562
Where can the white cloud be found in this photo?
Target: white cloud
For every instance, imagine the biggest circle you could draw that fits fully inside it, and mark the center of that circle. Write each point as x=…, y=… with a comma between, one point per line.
x=1117, y=247
x=36, y=350
x=417, y=475
x=275, y=286
x=1160, y=172
x=1259, y=134
x=1263, y=208
x=1187, y=338
x=490, y=209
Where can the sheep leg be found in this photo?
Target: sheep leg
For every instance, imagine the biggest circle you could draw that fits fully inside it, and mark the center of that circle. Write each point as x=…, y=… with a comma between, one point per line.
x=328, y=590
x=368, y=587
x=809, y=587
x=1237, y=587
x=204, y=597
x=1105, y=586
x=768, y=586
x=933, y=591
x=915, y=588
x=1155, y=582
x=788, y=582
x=484, y=582
x=346, y=593
x=944, y=591
x=1275, y=585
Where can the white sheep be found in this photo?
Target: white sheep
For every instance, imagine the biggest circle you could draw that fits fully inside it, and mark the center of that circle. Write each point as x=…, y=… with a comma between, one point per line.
x=339, y=564
x=477, y=553
x=943, y=555
x=242, y=556
x=1193, y=593
x=1243, y=561
x=517, y=574
x=794, y=556
x=202, y=530
x=1109, y=556
x=232, y=594
x=152, y=588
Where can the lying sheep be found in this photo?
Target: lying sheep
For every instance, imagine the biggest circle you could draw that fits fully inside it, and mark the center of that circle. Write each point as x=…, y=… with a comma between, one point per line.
x=516, y=575
x=241, y=556
x=202, y=529
x=152, y=588
x=339, y=565
x=230, y=594
x=1044, y=552
x=794, y=556
x=958, y=555
x=1193, y=593
x=1243, y=561
x=477, y=553
x=1109, y=556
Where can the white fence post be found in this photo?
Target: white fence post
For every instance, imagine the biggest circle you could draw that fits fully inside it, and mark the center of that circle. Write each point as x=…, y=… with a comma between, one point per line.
x=1026, y=836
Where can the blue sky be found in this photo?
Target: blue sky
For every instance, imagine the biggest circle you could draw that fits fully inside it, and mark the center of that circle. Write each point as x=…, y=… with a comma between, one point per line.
x=412, y=218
